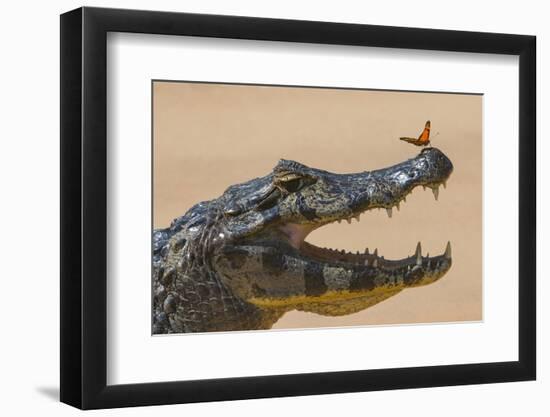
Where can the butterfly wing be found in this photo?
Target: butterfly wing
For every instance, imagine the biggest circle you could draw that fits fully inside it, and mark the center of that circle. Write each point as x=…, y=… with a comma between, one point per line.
x=414, y=141
x=424, y=137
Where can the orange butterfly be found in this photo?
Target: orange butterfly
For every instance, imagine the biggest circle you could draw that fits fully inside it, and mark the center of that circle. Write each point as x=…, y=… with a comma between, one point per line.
x=423, y=139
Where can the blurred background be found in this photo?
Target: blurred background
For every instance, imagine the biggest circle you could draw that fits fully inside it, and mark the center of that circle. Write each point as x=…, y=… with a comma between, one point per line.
x=209, y=136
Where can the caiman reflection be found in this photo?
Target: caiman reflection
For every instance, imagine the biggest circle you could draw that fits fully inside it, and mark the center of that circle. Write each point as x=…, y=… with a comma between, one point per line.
x=240, y=261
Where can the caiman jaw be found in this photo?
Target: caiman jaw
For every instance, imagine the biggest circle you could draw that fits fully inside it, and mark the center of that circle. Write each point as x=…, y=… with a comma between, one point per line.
x=272, y=264
x=383, y=189
x=434, y=266
x=296, y=233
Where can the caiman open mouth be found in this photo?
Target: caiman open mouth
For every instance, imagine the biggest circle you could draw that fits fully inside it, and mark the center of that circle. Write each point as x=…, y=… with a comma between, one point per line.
x=297, y=234
x=432, y=267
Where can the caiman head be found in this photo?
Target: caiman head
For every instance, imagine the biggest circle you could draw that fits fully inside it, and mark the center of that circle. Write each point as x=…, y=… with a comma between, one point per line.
x=258, y=246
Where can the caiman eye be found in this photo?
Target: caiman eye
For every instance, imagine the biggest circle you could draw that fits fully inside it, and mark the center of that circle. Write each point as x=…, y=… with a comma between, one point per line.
x=294, y=182
x=292, y=185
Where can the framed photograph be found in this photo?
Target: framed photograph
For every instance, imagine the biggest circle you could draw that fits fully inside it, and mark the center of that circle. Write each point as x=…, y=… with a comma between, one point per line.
x=256, y=208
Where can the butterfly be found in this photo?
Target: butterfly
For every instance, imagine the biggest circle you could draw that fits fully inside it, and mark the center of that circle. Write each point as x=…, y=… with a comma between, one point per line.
x=423, y=139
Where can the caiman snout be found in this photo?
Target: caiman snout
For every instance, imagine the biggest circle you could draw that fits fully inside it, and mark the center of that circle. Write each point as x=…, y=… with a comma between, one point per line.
x=387, y=188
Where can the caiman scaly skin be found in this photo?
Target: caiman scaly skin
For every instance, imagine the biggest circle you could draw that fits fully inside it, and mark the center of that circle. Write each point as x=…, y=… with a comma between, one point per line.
x=240, y=261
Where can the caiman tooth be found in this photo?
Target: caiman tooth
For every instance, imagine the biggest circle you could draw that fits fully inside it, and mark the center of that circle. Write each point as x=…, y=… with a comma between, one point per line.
x=389, y=211
x=348, y=220
x=366, y=251
x=375, y=263
x=447, y=253
x=435, y=190
x=397, y=206
x=418, y=254
x=375, y=253
x=444, y=184
x=357, y=217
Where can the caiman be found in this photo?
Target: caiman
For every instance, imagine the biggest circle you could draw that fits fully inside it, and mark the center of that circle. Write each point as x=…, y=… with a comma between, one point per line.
x=240, y=261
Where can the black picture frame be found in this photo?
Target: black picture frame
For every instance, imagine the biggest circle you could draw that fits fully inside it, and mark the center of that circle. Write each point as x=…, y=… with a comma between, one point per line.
x=84, y=207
